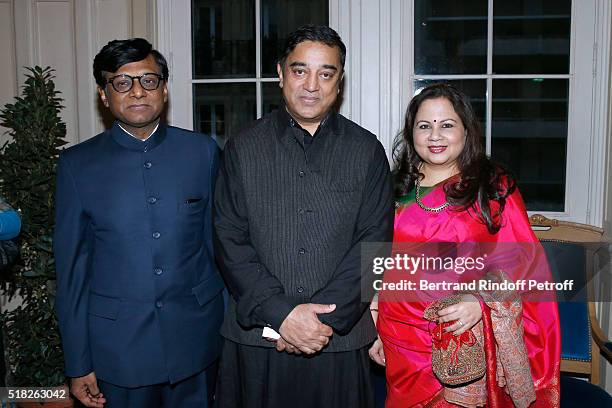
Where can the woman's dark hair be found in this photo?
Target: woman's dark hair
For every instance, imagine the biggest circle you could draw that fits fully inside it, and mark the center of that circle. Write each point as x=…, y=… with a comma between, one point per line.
x=117, y=53
x=316, y=33
x=480, y=181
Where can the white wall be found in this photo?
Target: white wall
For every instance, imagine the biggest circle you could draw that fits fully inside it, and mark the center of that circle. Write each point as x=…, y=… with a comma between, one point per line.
x=375, y=33
x=8, y=75
x=607, y=225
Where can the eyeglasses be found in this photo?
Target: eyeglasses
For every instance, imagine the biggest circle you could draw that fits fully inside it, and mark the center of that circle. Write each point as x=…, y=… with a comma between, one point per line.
x=123, y=83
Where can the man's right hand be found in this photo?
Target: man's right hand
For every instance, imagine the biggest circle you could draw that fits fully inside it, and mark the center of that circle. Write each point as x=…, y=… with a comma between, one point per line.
x=86, y=390
x=303, y=329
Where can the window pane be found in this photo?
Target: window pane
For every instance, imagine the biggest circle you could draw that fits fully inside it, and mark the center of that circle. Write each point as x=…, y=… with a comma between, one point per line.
x=450, y=37
x=272, y=97
x=529, y=136
x=221, y=110
x=223, y=40
x=281, y=17
x=531, y=36
x=475, y=89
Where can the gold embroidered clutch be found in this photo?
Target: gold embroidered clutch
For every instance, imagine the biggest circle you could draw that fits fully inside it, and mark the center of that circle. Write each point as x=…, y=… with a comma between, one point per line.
x=455, y=360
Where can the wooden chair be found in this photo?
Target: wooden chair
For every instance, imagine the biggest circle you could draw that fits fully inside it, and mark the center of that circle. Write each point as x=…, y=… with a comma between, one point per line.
x=570, y=250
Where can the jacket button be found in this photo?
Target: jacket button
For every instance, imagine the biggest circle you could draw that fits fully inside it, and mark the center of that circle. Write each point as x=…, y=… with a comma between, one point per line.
x=158, y=271
x=148, y=165
x=159, y=304
x=152, y=200
x=300, y=211
x=301, y=173
x=302, y=251
x=300, y=289
x=156, y=235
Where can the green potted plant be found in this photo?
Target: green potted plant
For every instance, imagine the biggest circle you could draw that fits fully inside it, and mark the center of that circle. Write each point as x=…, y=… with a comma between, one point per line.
x=27, y=180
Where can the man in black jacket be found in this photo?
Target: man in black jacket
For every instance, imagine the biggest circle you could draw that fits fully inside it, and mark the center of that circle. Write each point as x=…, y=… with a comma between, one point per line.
x=298, y=193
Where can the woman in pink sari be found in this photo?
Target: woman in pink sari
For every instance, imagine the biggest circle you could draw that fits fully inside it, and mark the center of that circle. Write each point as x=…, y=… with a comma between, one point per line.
x=447, y=190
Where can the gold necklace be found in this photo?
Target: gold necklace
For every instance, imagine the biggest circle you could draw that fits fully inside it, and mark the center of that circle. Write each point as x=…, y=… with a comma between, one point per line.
x=417, y=198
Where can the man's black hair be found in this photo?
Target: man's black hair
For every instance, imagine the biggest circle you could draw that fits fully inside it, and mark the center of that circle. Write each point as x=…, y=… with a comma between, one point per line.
x=120, y=52
x=316, y=33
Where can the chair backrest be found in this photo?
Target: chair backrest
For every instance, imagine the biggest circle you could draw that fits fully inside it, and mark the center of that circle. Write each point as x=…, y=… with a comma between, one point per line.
x=551, y=229
x=569, y=249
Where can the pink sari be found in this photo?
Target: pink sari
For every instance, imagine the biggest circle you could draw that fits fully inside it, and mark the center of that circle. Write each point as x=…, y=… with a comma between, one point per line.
x=406, y=334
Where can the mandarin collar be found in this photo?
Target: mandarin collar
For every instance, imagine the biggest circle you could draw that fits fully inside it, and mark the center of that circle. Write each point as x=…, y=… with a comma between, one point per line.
x=130, y=142
x=284, y=120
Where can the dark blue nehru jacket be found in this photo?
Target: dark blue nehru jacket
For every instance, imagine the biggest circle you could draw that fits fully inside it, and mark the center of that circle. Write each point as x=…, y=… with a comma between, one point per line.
x=139, y=298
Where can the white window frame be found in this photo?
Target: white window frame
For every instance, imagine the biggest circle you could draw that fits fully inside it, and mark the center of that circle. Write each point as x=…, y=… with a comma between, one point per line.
x=179, y=24
x=572, y=144
x=379, y=38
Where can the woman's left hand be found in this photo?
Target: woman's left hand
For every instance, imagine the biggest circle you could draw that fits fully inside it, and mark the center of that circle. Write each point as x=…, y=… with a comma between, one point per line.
x=465, y=314
x=377, y=352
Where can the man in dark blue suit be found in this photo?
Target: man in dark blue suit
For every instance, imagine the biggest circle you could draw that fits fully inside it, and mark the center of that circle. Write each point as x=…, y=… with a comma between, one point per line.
x=139, y=299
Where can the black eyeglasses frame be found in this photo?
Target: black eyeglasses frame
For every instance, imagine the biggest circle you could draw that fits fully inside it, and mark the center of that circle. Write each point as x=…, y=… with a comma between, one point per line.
x=132, y=78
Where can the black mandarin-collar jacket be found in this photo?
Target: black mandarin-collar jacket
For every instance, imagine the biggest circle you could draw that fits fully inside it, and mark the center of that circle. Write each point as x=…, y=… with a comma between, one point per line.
x=289, y=219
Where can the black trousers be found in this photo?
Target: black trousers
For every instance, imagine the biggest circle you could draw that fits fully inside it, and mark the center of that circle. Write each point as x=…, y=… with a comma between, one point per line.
x=260, y=377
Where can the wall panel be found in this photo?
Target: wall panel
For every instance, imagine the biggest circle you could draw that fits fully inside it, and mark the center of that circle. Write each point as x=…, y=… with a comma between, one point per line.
x=55, y=47
x=8, y=78
x=113, y=20
x=375, y=32
x=143, y=19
